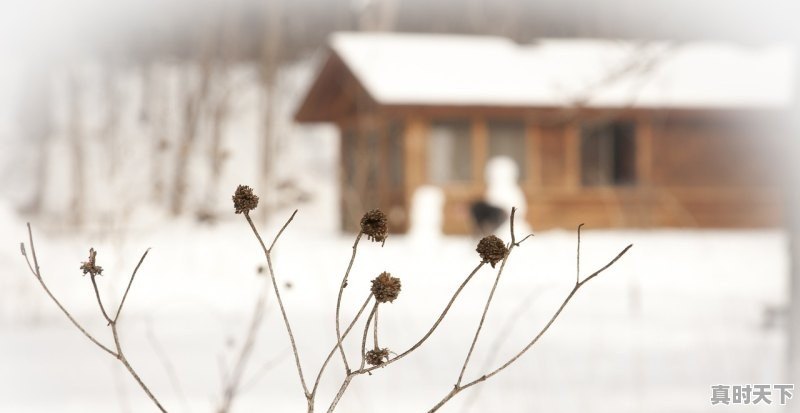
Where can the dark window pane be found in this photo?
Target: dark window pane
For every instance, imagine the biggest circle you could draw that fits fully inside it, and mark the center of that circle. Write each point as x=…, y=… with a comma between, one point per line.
x=507, y=138
x=608, y=154
x=449, y=152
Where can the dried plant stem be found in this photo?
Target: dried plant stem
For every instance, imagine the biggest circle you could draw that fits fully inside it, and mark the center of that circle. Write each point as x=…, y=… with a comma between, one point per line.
x=511, y=247
x=333, y=351
x=578, y=284
x=339, y=301
x=349, y=377
x=375, y=328
x=121, y=357
x=99, y=302
x=168, y=366
x=234, y=380
x=130, y=282
x=118, y=354
x=366, y=332
x=268, y=255
x=434, y=326
x=483, y=316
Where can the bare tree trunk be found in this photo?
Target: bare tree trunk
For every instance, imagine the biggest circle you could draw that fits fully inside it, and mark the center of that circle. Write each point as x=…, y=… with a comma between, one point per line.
x=110, y=131
x=269, y=73
x=36, y=125
x=77, y=205
x=153, y=119
x=194, y=102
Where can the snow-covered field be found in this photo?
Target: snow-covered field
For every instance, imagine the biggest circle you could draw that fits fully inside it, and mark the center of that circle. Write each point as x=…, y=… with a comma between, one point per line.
x=683, y=310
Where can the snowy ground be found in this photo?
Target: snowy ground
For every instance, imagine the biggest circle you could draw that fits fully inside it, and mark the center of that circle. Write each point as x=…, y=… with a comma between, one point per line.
x=682, y=311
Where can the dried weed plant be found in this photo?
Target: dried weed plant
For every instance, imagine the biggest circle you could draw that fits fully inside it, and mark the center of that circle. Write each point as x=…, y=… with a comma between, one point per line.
x=384, y=290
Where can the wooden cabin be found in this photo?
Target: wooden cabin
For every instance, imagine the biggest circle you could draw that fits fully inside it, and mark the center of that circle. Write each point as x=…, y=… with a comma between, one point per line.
x=607, y=133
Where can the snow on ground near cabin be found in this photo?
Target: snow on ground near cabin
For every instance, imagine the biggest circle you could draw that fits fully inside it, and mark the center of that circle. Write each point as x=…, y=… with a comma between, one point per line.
x=682, y=311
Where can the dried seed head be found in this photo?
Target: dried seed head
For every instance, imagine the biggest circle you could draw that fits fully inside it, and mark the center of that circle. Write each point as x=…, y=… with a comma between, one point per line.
x=376, y=357
x=492, y=249
x=90, y=267
x=374, y=225
x=244, y=200
x=385, y=287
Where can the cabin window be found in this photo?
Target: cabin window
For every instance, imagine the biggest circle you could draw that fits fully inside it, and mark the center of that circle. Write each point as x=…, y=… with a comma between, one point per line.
x=450, y=152
x=608, y=154
x=507, y=138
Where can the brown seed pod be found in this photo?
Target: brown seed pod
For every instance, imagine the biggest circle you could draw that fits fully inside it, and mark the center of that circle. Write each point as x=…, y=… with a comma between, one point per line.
x=378, y=356
x=90, y=266
x=374, y=225
x=385, y=287
x=244, y=200
x=492, y=249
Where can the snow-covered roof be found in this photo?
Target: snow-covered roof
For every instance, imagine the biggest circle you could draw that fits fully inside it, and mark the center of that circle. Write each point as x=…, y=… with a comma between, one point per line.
x=421, y=69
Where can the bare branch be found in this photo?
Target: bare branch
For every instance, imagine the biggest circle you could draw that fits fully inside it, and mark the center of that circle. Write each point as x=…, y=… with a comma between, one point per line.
x=339, y=301
x=483, y=316
x=121, y=357
x=268, y=255
x=578, y=257
x=37, y=273
x=167, y=364
x=99, y=301
x=459, y=388
x=278, y=235
x=435, y=324
x=336, y=346
x=130, y=282
x=233, y=382
x=375, y=328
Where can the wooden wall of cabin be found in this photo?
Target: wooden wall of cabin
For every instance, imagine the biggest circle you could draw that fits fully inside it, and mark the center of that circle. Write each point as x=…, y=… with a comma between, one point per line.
x=690, y=172
x=715, y=173
x=372, y=171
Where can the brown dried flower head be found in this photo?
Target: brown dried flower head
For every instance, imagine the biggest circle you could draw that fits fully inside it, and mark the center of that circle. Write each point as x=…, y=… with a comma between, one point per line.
x=492, y=249
x=90, y=267
x=378, y=356
x=244, y=200
x=374, y=225
x=385, y=288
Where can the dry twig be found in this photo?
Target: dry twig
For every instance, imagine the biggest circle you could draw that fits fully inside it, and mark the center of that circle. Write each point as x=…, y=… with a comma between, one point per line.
x=112, y=323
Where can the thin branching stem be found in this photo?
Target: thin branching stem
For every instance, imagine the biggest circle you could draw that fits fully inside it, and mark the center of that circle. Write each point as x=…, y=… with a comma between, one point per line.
x=366, y=332
x=37, y=273
x=99, y=301
x=121, y=357
x=233, y=384
x=268, y=255
x=489, y=299
x=336, y=346
x=375, y=328
x=130, y=282
x=458, y=389
x=349, y=377
x=578, y=257
x=118, y=354
x=435, y=324
x=342, y=286
x=483, y=316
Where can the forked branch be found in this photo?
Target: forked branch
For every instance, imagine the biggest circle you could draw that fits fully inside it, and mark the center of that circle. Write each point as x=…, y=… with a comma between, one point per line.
x=118, y=353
